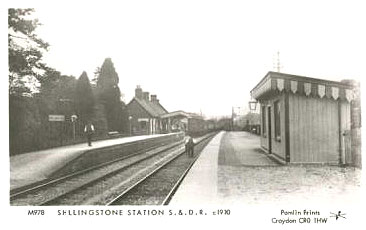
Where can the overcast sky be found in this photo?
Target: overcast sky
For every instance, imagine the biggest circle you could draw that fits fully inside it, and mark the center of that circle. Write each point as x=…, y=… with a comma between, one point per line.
x=205, y=55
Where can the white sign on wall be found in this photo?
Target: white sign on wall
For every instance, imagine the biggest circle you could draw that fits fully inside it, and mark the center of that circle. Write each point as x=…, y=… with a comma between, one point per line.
x=56, y=117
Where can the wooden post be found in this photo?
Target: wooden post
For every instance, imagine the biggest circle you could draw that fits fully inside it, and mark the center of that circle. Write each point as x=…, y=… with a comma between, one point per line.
x=341, y=136
x=287, y=129
x=60, y=133
x=169, y=126
x=356, y=126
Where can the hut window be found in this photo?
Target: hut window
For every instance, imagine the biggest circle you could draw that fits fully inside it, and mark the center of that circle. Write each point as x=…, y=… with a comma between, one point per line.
x=277, y=118
x=264, y=125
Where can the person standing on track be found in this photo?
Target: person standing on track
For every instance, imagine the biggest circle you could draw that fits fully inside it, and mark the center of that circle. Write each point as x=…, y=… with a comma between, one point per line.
x=89, y=130
x=190, y=147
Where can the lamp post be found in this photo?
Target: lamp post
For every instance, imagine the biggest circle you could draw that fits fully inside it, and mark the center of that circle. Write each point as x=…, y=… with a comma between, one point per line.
x=253, y=108
x=66, y=108
x=130, y=121
x=73, y=120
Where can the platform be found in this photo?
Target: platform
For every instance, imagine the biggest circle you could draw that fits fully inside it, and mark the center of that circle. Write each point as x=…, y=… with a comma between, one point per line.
x=217, y=173
x=36, y=166
x=200, y=184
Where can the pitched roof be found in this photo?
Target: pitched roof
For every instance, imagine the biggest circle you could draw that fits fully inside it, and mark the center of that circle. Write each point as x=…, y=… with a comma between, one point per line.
x=155, y=109
x=196, y=116
x=175, y=113
x=183, y=114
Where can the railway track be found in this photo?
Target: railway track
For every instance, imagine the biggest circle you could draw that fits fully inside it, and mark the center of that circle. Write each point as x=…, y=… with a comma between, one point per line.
x=50, y=192
x=101, y=190
x=158, y=186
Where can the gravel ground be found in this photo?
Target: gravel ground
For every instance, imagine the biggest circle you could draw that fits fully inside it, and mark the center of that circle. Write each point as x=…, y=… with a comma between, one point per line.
x=247, y=176
x=242, y=148
x=289, y=184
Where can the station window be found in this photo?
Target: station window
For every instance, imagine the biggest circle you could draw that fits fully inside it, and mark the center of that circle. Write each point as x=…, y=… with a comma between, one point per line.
x=264, y=125
x=143, y=125
x=277, y=117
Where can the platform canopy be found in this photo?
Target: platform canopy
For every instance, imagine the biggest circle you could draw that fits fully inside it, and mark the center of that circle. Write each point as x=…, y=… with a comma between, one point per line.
x=181, y=114
x=275, y=82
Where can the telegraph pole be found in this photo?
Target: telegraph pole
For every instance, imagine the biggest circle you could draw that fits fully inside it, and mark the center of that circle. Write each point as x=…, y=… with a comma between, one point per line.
x=277, y=63
x=232, y=118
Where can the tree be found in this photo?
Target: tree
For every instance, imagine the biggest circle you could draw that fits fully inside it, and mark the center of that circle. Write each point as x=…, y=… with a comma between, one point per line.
x=110, y=94
x=24, y=125
x=108, y=77
x=55, y=98
x=94, y=81
x=25, y=52
x=57, y=93
x=84, y=98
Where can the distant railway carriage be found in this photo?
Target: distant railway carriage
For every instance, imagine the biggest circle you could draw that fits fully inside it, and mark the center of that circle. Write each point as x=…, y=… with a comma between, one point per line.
x=305, y=120
x=188, y=122
x=210, y=125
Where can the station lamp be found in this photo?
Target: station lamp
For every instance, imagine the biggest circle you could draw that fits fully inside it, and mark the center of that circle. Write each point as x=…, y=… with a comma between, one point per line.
x=74, y=117
x=253, y=105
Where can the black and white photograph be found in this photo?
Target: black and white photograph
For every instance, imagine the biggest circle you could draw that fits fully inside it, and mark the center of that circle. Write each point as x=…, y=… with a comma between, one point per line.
x=224, y=114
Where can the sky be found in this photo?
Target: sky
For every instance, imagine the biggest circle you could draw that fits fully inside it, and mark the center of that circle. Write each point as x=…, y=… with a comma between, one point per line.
x=204, y=56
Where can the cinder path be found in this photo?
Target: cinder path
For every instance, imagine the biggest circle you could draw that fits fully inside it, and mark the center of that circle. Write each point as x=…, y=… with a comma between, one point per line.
x=242, y=148
x=35, y=166
x=247, y=176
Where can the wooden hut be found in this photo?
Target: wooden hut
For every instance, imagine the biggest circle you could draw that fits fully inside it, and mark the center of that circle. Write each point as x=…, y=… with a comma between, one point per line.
x=305, y=120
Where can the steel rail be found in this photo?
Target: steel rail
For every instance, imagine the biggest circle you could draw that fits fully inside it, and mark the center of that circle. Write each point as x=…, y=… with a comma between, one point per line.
x=31, y=187
x=110, y=174
x=181, y=178
x=177, y=184
x=116, y=199
x=99, y=166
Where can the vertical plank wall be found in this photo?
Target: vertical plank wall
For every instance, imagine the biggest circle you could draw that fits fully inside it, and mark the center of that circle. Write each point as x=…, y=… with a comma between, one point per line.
x=278, y=146
x=264, y=136
x=346, y=128
x=314, y=129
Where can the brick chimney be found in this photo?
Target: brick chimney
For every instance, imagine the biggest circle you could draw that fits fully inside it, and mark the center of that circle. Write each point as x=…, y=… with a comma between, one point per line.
x=146, y=96
x=138, y=92
x=154, y=98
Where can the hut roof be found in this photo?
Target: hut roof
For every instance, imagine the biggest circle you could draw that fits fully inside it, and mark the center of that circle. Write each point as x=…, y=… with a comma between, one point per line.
x=274, y=82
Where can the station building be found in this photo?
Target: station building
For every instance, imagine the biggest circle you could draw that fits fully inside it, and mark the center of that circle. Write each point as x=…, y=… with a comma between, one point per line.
x=307, y=120
x=144, y=113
